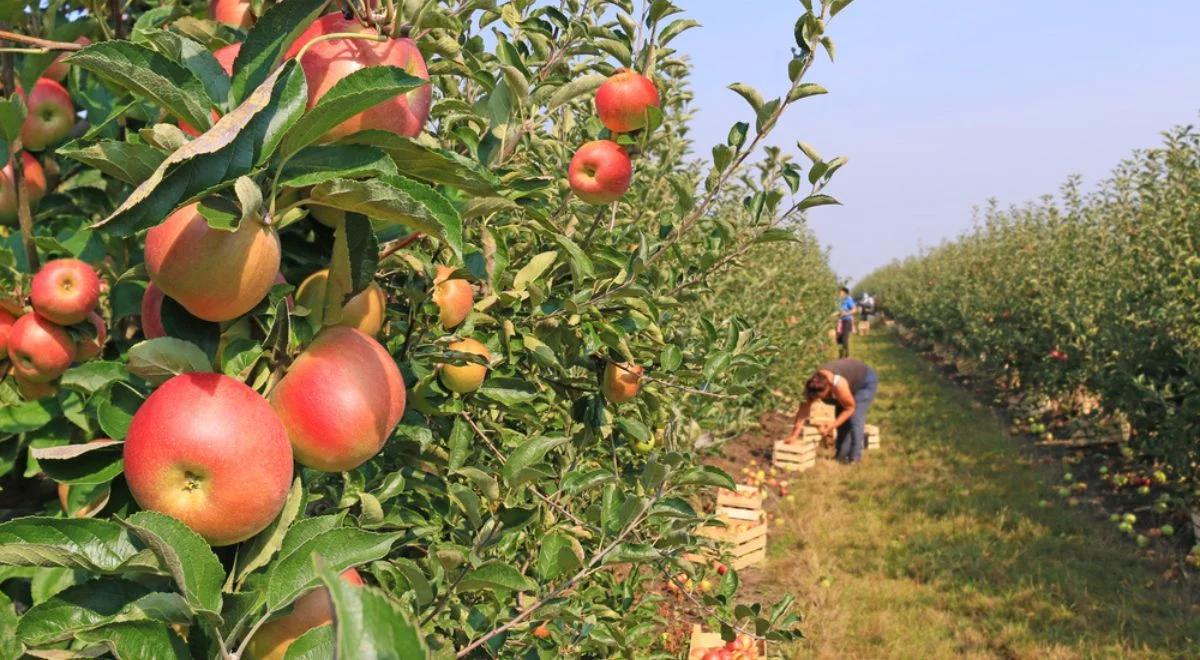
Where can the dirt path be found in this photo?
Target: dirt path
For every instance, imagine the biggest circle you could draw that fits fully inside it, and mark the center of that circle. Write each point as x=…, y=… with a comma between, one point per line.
x=938, y=546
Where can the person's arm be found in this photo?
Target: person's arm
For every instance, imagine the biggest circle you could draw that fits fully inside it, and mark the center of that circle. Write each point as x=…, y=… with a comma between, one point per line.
x=802, y=414
x=846, y=402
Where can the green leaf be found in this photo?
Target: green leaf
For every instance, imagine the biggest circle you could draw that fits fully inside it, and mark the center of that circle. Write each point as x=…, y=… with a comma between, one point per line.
x=578, y=481
x=805, y=90
x=574, y=89
x=751, y=95
x=97, y=546
x=313, y=165
x=671, y=358
x=394, y=199
x=536, y=267
x=558, y=555
x=92, y=376
x=188, y=558
x=159, y=359
x=307, y=529
x=131, y=162
x=195, y=58
x=293, y=574
x=367, y=624
x=81, y=464
x=419, y=161
x=675, y=28
x=496, y=576
x=706, y=475
x=359, y=91
x=137, y=640
x=632, y=552
x=315, y=644
x=271, y=36
x=148, y=75
x=530, y=452
x=816, y=200
x=12, y=116
x=239, y=143
x=259, y=551
x=508, y=391
x=97, y=603
x=29, y=416
x=9, y=646
x=776, y=235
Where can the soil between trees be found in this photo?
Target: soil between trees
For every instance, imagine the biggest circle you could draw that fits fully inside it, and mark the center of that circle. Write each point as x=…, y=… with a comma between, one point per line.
x=939, y=544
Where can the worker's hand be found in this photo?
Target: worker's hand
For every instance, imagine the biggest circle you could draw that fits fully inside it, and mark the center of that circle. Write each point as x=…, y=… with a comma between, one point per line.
x=826, y=428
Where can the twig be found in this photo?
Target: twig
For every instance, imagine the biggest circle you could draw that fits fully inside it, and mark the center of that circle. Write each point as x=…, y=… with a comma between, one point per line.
x=41, y=43
x=400, y=245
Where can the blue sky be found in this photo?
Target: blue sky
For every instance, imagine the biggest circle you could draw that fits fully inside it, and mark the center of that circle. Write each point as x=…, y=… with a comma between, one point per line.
x=943, y=104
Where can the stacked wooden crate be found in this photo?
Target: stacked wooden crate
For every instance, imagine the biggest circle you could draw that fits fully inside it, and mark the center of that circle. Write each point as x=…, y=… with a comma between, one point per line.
x=798, y=455
x=744, y=534
x=703, y=642
x=872, y=437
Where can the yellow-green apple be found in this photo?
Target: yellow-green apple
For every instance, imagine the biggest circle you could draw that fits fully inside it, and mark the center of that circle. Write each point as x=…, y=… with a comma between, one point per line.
x=216, y=275
x=310, y=610
x=152, y=301
x=466, y=377
x=600, y=172
x=50, y=116
x=340, y=400
x=65, y=291
x=6, y=323
x=33, y=185
x=209, y=451
x=31, y=391
x=364, y=311
x=58, y=69
x=453, y=296
x=623, y=101
x=234, y=13
x=39, y=349
x=91, y=348
x=621, y=382
x=325, y=63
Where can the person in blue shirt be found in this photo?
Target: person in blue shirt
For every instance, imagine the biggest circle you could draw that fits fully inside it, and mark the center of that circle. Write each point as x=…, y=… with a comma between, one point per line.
x=845, y=325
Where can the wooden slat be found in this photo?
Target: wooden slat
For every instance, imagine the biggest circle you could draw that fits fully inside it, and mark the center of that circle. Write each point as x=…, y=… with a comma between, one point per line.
x=702, y=642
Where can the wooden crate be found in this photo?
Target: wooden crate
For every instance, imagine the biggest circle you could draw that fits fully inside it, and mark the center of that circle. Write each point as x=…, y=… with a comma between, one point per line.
x=745, y=541
x=743, y=504
x=873, y=441
x=796, y=456
x=821, y=412
x=703, y=642
x=863, y=327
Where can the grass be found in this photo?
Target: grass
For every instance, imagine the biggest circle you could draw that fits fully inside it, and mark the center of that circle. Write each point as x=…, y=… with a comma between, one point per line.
x=937, y=547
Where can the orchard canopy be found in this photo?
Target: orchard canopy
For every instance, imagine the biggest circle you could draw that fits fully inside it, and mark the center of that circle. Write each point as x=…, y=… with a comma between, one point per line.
x=387, y=329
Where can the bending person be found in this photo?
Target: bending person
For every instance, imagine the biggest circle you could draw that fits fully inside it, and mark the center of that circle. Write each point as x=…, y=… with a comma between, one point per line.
x=850, y=386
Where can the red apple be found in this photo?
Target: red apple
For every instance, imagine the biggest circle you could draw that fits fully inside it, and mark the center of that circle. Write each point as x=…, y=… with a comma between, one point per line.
x=621, y=382
x=225, y=56
x=310, y=610
x=467, y=377
x=58, y=69
x=65, y=291
x=92, y=348
x=327, y=62
x=39, y=349
x=600, y=172
x=216, y=275
x=209, y=451
x=152, y=300
x=234, y=13
x=365, y=311
x=542, y=631
x=31, y=391
x=624, y=99
x=340, y=400
x=33, y=185
x=453, y=296
x=50, y=116
x=6, y=323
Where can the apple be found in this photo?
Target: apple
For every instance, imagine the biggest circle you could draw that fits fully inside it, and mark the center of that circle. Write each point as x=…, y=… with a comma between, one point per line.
x=39, y=349
x=216, y=275
x=6, y=323
x=621, y=382
x=152, y=300
x=340, y=400
x=31, y=391
x=65, y=291
x=453, y=296
x=624, y=100
x=600, y=172
x=705, y=585
x=50, y=116
x=326, y=63
x=234, y=13
x=311, y=610
x=209, y=451
x=33, y=186
x=91, y=349
x=467, y=377
x=722, y=569
x=364, y=311
x=542, y=631
x=58, y=69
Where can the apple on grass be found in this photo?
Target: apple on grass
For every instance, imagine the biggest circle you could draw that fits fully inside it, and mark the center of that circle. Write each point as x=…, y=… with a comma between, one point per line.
x=216, y=275
x=209, y=451
x=65, y=291
x=453, y=296
x=468, y=377
x=624, y=100
x=325, y=63
x=365, y=311
x=50, y=115
x=621, y=382
x=33, y=185
x=39, y=349
x=600, y=172
x=311, y=610
x=340, y=400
